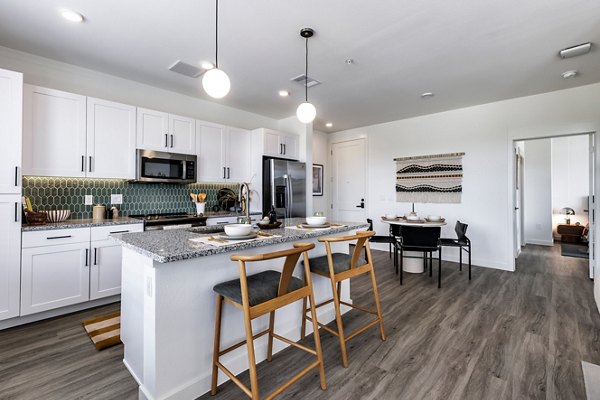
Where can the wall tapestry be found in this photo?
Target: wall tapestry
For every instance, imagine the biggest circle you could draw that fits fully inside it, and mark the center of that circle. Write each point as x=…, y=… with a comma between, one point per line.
x=429, y=179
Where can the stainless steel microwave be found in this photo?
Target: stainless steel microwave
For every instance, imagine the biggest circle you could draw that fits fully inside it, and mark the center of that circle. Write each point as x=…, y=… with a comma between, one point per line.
x=161, y=167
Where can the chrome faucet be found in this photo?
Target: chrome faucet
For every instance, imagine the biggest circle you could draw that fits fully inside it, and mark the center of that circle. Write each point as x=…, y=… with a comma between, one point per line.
x=245, y=201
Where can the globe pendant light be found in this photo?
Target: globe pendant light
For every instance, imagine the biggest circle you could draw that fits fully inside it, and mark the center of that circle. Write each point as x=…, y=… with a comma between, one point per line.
x=215, y=81
x=306, y=112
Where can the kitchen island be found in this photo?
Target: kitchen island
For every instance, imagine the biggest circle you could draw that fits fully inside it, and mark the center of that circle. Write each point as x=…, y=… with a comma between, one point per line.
x=167, y=303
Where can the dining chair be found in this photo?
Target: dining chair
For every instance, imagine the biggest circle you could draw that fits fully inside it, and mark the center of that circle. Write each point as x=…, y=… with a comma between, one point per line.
x=462, y=242
x=390, y=240
x=263, y=293
x=425, y=240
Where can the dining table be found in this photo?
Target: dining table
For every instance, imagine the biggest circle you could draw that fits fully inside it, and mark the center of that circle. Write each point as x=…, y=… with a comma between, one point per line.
x=412, y=262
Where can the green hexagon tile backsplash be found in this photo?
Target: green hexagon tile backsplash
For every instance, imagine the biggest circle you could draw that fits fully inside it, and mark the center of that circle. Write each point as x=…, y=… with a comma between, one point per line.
x=48, y=193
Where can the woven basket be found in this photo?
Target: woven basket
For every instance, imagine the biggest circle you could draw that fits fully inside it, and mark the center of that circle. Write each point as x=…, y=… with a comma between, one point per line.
x=35, y=218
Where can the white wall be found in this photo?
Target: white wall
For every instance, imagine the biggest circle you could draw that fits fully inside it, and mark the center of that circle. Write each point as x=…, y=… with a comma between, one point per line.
x=537, y=192
x=570, y=178
x=320, y=152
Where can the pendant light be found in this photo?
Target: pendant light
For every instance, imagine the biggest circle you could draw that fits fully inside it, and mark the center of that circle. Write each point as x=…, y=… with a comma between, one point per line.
x=306, y=112
x=215, y=81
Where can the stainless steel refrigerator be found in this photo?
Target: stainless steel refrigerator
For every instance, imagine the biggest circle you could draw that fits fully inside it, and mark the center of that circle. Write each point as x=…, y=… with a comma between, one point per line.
x=284, y=186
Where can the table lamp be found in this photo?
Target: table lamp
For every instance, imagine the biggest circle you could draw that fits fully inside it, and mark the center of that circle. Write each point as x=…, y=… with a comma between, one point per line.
x=568, y=212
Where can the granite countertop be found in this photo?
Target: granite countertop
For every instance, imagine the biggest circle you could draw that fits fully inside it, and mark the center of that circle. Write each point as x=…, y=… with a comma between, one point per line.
x=80, y=223
x=174, y=245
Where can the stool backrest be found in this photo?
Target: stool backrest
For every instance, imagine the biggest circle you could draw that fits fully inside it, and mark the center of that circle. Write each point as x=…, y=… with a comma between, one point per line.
x=362, y=241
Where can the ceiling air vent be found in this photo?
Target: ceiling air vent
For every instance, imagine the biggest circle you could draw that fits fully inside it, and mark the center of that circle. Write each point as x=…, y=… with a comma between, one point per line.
x=186, y=69
x=302, y=79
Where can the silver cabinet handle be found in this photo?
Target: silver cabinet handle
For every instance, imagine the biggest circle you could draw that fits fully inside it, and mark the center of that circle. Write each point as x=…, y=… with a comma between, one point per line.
x=171, y=141
x=166, y=140
x=58, y=237
x=90, y=165
x=82, y=163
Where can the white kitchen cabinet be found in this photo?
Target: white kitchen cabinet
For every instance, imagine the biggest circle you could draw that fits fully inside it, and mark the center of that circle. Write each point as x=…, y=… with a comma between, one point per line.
x=11, y=115
x=214, y=221
x=223, y=153
x=110, y=139
x=160, y=131
x=10, y=255
x=277, y=144
x=70, y=266
x=54, y=133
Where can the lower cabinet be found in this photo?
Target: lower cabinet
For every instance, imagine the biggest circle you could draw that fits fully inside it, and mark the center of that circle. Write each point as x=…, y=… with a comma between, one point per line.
x=70, y=266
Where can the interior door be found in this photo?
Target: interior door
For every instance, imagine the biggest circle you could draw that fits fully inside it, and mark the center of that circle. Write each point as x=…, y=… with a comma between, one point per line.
x=591, y=207
x=349, y=180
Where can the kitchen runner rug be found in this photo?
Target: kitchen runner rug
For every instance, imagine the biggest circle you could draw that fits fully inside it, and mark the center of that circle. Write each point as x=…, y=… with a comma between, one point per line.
x=104, y=331
x=429, y=179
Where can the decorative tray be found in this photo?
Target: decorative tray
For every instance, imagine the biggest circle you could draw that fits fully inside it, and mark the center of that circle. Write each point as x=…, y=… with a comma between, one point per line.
x=269, y=226
x=436, y=221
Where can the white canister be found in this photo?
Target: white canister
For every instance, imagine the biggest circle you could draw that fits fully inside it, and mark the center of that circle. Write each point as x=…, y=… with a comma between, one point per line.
x=200, y=208
x=98, y=212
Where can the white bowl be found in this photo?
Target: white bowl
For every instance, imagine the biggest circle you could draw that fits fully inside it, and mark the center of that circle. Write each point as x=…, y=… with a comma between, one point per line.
x=238, y=229
x=434, y=217
x=391, y=216
x=412, y=217
x=58, y=215
x=316, y=220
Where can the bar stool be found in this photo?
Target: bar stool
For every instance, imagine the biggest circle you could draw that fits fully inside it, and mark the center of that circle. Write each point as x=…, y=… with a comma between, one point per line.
x=339, y=267
x=260, y=294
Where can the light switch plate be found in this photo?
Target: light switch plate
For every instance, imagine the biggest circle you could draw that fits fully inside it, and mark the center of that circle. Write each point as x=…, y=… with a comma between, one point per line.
x=89, y=200
x=116, y=199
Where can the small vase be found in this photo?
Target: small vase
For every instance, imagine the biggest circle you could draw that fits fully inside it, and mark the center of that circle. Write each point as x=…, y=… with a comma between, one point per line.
x=200, y=208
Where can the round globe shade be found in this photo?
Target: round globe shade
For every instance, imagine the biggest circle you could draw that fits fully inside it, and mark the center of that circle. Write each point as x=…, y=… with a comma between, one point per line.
x=216, y=83
x=306, y=112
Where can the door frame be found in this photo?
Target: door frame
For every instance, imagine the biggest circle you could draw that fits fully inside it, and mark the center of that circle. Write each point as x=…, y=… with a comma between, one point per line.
x=511, y=186
x=365, y=140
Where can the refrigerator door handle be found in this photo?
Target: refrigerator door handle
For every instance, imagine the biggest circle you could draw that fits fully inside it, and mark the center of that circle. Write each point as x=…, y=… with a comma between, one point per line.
x=290, y=196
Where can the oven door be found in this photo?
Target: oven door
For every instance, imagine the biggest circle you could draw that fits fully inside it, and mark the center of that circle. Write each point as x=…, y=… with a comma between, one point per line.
x=161, y=167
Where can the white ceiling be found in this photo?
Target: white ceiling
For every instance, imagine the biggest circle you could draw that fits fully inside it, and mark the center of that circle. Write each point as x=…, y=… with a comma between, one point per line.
x=467, y=52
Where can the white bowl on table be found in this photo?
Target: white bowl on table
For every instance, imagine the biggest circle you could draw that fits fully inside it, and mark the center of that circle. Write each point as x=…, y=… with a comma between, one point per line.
x=412, y=217
x=316, y=220
x=434, y=218
x=391, y=216
x=238, y=229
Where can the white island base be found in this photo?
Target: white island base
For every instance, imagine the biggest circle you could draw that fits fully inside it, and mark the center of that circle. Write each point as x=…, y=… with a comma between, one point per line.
x=168, y=312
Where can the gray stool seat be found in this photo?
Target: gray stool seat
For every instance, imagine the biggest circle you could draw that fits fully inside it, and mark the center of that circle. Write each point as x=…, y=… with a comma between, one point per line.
x=341, y=263
x=261, y=287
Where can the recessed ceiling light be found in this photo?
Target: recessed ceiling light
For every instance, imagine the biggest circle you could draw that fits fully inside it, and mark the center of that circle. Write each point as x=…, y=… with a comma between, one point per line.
x=72, y=16
x=207, y=65
x=284, y=93
x=349, y=61
x=329, y=124
x=427, y=95
x=569, y=74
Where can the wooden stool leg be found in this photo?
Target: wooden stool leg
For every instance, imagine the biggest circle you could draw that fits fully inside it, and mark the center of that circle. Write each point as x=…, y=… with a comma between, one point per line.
x=271, y=327
x=338, y=320
x=317, y=337
x=251, y=358
x=377, y=305
x=217, y=345
x=303, y=328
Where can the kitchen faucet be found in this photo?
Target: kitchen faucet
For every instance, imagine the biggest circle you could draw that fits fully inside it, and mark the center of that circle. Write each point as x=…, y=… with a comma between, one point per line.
x=245, y=201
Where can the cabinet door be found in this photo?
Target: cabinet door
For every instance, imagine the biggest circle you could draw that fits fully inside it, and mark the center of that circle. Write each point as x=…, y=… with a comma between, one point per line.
x=11, y=115
x=272, y=144
x=290, y=147
x=239, y=155
x=152, y=130
x=10, y=255
x=182, y=135
x=105, y=271
x=110, y=139
x=212, y=143
x=54, y=276
x=53, y=133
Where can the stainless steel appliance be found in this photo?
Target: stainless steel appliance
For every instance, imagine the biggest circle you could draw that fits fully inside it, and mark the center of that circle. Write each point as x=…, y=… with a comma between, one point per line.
x=284, y=186
x=161, y=167
x=155, y=222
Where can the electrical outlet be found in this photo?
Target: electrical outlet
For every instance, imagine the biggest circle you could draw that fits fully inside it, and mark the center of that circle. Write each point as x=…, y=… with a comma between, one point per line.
x=89, y=200
x=116, y=199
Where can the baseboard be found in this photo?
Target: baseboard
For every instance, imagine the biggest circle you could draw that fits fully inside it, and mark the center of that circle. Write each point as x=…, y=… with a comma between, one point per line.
x=539, y=242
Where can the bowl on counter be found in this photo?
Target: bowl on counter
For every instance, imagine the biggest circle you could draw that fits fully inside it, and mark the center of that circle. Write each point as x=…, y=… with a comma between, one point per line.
x=316, y=220
x=238, y=229
x=58, y=215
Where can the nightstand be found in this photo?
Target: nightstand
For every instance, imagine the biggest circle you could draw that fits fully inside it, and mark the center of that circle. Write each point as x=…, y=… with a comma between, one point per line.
x=570, y=233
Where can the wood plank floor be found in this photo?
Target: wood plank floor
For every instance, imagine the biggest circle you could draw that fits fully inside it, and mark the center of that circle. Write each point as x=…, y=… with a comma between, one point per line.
x=504, y=335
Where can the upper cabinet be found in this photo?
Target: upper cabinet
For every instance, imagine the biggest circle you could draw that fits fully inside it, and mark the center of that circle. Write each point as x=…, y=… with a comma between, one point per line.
x=223, y=153
x=11, y=109
x=278, y=144
x=157, y=130
x=110, y=139
x=69, y=135
x=54, y=133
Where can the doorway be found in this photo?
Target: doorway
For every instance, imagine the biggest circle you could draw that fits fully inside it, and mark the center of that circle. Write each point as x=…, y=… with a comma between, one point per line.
x=554, y=195
x=349, y=180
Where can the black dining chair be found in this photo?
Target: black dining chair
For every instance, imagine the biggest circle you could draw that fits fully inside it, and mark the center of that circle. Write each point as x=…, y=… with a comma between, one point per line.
x=390, y=239
x=462, y=242
x=421, y=239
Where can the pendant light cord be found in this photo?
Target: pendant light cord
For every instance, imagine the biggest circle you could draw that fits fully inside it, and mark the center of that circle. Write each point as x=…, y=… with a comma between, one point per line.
x=306, y=73
x=217, y=34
